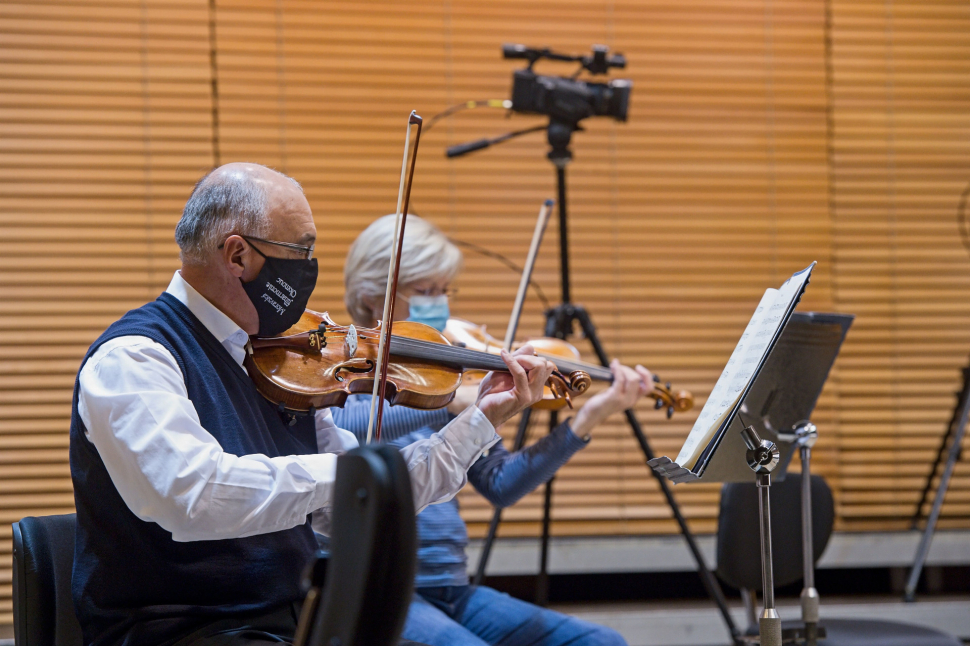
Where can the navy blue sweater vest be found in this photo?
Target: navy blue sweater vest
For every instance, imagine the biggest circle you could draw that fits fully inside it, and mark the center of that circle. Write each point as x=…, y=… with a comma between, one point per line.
x=132, y=583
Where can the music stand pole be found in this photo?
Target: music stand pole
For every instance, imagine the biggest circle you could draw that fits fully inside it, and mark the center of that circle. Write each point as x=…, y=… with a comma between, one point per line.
x=762, y=457
x=807, y=434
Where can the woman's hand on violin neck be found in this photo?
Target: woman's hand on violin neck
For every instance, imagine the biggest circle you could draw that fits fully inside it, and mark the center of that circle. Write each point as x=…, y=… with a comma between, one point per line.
x=628, y=386
x=502, y=395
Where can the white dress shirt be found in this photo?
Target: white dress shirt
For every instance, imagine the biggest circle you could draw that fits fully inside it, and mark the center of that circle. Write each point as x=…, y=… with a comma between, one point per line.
x=171, y=471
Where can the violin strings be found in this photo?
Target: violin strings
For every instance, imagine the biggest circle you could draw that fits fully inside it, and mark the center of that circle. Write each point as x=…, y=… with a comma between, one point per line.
x=433, y=350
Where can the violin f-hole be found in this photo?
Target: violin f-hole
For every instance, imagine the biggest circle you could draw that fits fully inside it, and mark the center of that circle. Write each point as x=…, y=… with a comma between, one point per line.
x=353, y=366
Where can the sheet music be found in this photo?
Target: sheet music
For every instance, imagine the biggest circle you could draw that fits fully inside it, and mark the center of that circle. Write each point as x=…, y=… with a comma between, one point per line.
x=750, y=352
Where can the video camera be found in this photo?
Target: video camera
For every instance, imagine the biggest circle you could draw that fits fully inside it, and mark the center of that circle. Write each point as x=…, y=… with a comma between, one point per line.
x=569, y=100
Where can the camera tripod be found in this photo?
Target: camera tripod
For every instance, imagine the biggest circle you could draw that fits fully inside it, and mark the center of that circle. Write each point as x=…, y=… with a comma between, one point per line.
x=560, y=323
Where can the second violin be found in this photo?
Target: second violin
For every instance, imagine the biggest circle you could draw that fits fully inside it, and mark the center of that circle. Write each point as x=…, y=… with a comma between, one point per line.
x=567, y=359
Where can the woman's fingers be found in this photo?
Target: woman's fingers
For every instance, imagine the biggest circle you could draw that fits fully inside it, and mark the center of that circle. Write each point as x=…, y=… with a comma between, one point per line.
x=646, y=379
x=519, y=375
x=525, y=349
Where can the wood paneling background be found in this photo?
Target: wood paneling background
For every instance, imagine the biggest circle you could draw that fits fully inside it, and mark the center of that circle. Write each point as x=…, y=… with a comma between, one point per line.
x=763, y=134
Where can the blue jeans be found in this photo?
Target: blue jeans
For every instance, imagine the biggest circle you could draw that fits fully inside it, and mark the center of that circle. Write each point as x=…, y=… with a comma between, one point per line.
x=479, y=616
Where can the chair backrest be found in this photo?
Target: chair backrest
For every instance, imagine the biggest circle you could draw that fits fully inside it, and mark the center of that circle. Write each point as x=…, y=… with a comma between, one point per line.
x=373, y=552
x=43, y=557
x=739, y=537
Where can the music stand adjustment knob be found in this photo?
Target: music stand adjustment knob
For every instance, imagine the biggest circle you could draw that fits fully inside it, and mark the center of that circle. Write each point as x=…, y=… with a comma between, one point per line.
x=762, y=455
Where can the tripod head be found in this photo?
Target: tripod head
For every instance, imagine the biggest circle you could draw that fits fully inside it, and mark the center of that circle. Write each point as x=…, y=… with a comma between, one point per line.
x=559, y=135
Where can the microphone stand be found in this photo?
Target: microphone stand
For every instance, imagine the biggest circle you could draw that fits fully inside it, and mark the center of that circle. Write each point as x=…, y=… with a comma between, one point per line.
x=560, y=323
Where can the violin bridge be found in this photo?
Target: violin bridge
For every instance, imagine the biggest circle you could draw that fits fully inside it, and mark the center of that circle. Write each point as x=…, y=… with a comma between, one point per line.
x=351, y=341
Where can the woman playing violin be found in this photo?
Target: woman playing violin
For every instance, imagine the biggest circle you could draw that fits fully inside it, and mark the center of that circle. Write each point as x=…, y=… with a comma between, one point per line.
x=446, y=610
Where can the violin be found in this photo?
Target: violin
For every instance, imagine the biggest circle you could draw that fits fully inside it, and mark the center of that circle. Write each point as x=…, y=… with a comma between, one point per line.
x=466, y=334
x=318, y=364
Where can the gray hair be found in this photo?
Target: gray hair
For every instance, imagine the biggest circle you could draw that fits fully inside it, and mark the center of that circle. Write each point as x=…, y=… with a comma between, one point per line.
x=219, y=207
x=427, y=255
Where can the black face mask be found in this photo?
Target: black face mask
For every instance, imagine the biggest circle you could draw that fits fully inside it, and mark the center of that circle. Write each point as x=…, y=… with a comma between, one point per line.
x=281, y=291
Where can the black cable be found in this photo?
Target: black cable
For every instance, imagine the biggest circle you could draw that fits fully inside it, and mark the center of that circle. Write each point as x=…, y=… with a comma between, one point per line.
x=505, y=261
x=467, y=105
x=962, y=224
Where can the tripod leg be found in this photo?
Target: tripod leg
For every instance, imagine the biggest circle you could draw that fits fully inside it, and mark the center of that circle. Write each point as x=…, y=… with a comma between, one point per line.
x=520, y=437
x=924, y=545
x=951, y=428
x=710, y=583
x=542, y=581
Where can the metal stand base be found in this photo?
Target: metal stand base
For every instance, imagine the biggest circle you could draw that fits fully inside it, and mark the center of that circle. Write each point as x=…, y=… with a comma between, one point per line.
x=769, y=628
x=803, y=635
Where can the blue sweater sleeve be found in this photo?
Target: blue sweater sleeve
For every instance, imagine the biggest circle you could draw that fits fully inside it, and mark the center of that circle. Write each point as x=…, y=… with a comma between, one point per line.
x=503, y=477
x=399, y=421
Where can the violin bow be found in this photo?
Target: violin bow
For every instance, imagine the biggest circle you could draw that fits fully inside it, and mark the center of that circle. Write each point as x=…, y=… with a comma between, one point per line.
x=393, y=271
x=530, y=263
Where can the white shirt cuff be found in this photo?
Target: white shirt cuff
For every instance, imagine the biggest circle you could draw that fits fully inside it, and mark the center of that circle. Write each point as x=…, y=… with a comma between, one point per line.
x=470, y=435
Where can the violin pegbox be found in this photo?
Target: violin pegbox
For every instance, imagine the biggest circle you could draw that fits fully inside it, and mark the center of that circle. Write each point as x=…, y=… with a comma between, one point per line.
x=682, y=402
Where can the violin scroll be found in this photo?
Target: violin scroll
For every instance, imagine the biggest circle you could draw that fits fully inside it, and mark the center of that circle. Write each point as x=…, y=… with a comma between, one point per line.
x=664, y=397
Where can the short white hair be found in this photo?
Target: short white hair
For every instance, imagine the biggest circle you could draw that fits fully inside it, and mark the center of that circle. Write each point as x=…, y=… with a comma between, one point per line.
x=221, y=205
x=427, y=255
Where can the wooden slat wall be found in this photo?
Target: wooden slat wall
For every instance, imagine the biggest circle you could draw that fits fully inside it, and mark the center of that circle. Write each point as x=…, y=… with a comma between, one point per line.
x=104, y=125
x=739, y=165
x=900, y=160
x=716, y=188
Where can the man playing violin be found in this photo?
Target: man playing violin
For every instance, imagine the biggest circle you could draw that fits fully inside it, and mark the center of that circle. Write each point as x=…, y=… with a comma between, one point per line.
x=194, y=498
x=446, y=610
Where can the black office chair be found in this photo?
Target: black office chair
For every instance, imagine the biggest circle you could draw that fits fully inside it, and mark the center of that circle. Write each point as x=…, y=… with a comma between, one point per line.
x=43, y=557
x=361, y=596
x=739, y=559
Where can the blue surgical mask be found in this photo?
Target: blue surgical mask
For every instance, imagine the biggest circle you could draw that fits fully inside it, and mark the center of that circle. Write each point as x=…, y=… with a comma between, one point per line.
x=430, y=310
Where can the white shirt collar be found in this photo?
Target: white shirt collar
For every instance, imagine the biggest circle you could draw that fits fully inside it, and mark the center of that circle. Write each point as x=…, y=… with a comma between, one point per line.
x=223, y=328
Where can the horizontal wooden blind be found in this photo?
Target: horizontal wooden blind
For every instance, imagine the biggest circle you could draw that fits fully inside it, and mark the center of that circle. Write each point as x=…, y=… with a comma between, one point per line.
x=717, y=187
x=900, y=160
x=104, y=124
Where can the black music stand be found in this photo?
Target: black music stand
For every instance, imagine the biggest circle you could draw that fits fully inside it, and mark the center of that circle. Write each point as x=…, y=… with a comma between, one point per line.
x=771, y=381
x=781, y=401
